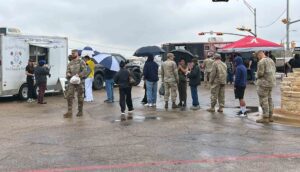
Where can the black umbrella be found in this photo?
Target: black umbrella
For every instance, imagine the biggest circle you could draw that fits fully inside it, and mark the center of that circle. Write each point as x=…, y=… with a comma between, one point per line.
x=149, y=50
x=183, y=54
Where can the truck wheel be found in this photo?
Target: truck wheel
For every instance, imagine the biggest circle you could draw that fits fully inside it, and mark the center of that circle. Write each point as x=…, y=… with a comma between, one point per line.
x=23, y=92
x=98, y=82
x=137, y=76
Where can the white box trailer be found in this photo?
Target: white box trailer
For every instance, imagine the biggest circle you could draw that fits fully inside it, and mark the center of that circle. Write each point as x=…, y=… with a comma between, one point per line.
x=16, y=50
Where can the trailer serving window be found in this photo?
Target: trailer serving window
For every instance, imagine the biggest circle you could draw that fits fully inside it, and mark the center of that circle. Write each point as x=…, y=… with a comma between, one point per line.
x=39, y=53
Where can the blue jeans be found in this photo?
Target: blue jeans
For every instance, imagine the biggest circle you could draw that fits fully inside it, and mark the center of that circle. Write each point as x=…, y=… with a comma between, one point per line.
x=229, y=77
x=151, y=88
x=194, y=93
x=109, y=87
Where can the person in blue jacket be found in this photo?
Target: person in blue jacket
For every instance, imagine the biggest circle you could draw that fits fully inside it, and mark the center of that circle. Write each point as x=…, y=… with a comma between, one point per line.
x=240, y=84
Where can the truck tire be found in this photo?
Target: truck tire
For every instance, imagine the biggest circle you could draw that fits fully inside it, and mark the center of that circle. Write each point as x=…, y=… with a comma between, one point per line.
x=98, y=82
x=23, y=92
x=137, y=77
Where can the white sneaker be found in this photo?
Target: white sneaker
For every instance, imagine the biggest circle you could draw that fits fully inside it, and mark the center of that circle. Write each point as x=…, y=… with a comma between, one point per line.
x=29, y=101
x=146, y=105
x=154, y=104
x=150, y=105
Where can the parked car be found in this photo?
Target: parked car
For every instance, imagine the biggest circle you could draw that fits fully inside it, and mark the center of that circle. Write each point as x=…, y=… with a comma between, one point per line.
x=280, y=63
x=99, y=72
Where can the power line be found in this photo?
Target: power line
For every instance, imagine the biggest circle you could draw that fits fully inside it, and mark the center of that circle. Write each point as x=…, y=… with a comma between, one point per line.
x=278, y=18
x=100, y=45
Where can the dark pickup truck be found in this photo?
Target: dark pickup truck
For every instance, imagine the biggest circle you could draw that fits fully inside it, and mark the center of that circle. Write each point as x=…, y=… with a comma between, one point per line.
x=99, y=73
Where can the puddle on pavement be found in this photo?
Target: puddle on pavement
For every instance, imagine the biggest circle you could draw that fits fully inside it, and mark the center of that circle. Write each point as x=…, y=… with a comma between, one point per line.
x=140, y=118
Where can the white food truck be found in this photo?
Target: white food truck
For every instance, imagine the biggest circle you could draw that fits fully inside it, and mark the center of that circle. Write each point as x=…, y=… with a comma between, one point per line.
x=16, y=50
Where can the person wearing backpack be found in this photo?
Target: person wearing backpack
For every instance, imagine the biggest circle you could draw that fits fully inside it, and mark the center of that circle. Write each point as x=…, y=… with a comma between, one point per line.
x=89, y=79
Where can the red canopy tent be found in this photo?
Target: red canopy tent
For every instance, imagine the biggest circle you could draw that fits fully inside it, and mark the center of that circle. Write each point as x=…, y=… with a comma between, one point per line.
x=251, y=43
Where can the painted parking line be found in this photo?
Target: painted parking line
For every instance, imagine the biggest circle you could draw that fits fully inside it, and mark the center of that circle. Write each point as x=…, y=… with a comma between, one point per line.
x=174, y=162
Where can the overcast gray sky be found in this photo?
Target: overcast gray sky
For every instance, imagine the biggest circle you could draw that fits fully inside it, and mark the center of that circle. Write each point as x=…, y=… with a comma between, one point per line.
x=125, y=25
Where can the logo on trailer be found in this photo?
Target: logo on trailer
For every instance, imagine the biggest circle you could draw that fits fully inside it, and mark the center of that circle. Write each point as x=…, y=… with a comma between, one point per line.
x=16, y=58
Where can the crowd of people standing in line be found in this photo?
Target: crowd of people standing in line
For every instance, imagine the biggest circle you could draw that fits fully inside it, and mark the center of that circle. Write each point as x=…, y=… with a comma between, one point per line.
x=175, y=77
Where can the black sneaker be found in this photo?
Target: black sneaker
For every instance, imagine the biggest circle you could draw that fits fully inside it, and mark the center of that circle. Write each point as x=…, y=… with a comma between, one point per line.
x=239, y=113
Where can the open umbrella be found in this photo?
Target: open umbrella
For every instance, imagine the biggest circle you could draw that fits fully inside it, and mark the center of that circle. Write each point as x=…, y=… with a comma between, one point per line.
x=88, y=51
x=182, y=54
x=251, y=43
x=108, y=61
x=149, y=50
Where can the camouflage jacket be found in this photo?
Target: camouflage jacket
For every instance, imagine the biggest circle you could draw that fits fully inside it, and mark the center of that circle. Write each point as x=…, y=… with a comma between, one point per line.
x=77, y=66
x=218, y=73
x=266, y=71
x=169, y=72
x=208, y=64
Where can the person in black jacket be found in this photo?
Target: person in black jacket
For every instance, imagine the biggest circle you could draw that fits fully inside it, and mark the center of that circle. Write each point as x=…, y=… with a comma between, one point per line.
x=151, y=78
x=122, y=79
x=30, y=80
x=41, y=72
x=194, y=76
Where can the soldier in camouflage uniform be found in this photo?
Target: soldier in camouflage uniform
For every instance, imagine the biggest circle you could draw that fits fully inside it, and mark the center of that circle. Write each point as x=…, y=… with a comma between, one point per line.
x=218, y=78
x=75, y=67
x=266, y=80
x=170, y=78
x=207, y=65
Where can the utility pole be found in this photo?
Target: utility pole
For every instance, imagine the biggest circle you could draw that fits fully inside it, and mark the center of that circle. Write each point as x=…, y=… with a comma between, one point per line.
x=253, y=10
x=288, y=25
x=255, y=22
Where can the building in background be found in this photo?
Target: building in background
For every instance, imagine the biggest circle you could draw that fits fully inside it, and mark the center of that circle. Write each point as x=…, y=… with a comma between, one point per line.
x=199, y=49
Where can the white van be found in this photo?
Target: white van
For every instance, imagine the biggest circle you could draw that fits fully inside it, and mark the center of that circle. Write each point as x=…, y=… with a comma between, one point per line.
x=15, y=51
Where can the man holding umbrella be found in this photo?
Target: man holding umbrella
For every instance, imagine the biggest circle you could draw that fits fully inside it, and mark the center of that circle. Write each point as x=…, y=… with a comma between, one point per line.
x=170, y=78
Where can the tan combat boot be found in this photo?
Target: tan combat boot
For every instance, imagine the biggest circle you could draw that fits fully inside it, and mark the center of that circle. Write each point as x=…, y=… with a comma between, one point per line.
x=220, y=110
x=174, y=105
x=264, y=120
x=212, y=110
x=69, y=113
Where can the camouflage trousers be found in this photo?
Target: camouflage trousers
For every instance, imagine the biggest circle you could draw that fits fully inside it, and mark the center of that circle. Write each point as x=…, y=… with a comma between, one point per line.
x=173, y=87
x=265, y=100
x=70, y=92
x=206, y=79
x=217, y=95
